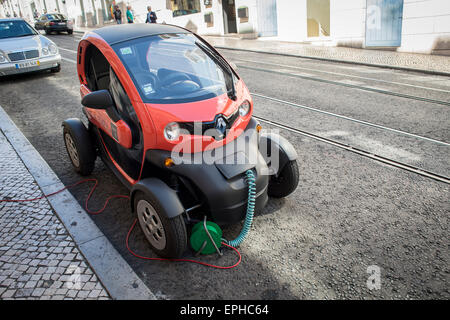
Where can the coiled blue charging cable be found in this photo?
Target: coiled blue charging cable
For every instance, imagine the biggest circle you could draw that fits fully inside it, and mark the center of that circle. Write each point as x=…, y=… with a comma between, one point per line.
x=251, y=182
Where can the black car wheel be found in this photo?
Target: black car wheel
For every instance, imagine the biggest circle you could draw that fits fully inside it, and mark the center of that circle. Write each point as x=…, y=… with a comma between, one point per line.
x=285, y=182
x=167, y=236
x=69, y=31
x=79, y=146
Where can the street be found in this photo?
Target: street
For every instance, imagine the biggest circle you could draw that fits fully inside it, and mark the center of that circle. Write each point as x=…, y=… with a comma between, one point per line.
x=373, y=147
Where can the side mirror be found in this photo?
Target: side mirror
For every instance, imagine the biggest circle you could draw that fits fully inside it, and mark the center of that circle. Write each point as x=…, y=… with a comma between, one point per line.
x=100, y=99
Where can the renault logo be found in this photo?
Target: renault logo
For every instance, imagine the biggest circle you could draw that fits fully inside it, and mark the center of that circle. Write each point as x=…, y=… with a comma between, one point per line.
x=221, y=127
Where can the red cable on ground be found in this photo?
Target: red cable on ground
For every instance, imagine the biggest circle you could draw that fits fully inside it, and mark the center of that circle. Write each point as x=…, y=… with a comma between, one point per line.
x=132, y=227
x=182, y=260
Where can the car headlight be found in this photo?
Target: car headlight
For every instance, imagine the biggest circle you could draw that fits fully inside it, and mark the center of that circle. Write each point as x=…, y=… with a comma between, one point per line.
x=3, y=57
x=44, y=51
x=172, y=131
x=244, y=108
x=52, y=48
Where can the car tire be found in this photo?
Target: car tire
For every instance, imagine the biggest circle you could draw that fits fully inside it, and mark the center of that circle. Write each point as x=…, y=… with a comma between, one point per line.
x=167, y=237
x=285, y=182
x=79, y=146
x=47, y=31
x=69, y=31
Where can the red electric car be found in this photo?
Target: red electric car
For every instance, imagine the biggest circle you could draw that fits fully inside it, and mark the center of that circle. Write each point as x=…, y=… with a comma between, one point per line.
x=173, y=120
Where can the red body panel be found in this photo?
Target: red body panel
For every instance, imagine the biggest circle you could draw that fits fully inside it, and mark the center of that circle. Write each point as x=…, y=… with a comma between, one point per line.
x=154, y=117
x=102, y=120
x=201, y=111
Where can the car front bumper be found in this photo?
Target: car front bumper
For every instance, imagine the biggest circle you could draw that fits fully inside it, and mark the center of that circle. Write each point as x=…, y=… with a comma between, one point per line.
x=49, y=62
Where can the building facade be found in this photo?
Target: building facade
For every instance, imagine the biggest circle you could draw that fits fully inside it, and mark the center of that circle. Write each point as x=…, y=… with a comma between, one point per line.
x=421, y=26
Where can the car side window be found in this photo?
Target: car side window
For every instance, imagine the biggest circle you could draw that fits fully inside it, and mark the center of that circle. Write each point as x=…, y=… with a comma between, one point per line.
x=43, y=18
x=97, y=70
x=123, y=105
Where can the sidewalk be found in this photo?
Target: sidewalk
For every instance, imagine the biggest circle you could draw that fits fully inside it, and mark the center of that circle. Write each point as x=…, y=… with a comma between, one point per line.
x=38, y=257
x=427, y=63
x=379, y=58
x=51, y=248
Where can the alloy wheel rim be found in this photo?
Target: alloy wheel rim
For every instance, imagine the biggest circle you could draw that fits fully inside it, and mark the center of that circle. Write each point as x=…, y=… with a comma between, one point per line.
x=71, y=148
x=151, y=225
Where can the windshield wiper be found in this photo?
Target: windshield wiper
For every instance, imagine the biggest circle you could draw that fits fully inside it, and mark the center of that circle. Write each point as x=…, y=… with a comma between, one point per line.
x=225, y=66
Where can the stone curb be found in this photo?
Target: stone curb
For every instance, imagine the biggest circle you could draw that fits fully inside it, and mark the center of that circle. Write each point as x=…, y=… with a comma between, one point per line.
x=118, y=278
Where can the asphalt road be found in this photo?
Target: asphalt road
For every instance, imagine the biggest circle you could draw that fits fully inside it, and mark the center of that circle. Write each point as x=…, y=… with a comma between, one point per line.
x=349, y=212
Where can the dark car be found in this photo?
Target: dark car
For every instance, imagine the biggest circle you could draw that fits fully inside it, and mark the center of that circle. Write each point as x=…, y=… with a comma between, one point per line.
x=54, y=22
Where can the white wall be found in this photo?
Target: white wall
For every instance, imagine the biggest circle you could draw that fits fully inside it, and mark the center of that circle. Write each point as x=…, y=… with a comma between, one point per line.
x=196, y=21
x=425, y=29
x=291, y=17
x=251, y=25
x=348, y=22
x=426, y=26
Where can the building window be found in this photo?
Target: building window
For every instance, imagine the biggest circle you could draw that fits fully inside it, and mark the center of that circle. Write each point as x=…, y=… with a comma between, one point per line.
x=318, y=12
x=184, y=7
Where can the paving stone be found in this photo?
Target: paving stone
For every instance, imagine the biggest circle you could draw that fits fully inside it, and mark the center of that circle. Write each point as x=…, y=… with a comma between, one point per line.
x=94, y=293
x=8, y=294
x=36, y=250
x=38, y=292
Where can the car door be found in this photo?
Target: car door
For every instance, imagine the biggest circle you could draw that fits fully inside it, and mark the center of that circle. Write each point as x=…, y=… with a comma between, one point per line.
x=130, y=159
x=119, y=126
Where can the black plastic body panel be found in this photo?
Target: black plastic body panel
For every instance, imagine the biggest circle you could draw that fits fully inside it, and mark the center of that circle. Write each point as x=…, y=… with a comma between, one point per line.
x=165, y=195
x=271, y=142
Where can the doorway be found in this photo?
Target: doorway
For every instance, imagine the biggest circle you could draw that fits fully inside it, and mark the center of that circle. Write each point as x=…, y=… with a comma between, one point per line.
x=229, y=16
x=384, y=23
x=318, y=18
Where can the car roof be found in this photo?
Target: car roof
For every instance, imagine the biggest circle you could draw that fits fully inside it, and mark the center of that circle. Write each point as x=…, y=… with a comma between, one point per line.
x=119, y=33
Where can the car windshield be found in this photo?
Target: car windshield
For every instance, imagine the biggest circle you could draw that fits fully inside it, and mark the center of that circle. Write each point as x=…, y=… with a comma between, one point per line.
x=172, y=68
x=12, y=29
x=56, y=16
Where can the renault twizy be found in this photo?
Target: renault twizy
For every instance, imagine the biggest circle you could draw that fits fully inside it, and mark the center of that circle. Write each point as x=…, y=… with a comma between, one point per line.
x=173, y=120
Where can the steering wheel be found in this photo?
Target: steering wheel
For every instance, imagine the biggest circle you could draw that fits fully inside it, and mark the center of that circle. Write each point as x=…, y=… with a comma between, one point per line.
x=172, y=78
x=175, y=83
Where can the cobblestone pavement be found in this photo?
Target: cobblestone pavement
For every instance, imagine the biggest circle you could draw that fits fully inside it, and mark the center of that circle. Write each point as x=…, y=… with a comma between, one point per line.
x=38, y=258
x=378, y=57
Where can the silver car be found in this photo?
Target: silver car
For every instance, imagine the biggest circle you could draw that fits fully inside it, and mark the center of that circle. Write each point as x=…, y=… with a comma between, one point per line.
x=23, y=49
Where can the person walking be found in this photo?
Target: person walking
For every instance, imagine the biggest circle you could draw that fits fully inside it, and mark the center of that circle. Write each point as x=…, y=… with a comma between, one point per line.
x=118, y=15
x=130, y=16
x=151, y=16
